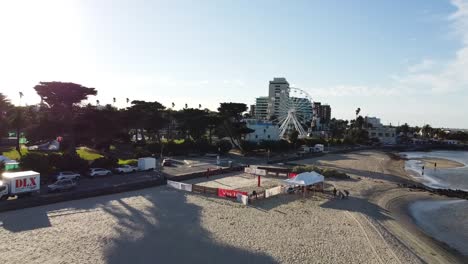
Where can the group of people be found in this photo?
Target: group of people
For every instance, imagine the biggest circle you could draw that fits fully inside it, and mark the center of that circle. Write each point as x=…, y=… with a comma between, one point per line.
x=340, y=193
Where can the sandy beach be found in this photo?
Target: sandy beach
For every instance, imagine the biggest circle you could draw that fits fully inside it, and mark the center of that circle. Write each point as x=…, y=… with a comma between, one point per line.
x=164, y=225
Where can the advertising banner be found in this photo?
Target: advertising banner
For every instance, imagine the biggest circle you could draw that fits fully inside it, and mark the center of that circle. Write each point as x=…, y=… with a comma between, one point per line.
x=229, y=193
x=273, y=191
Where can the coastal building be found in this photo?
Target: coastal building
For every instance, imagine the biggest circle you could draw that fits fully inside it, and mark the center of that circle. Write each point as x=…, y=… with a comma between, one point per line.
x=261, y=107
x=322, y=116
x=252, y=111
x=385, y=134
x=278, y=90
x=263, y=130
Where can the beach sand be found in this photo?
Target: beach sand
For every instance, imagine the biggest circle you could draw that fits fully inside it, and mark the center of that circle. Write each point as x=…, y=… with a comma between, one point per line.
x=164, y=225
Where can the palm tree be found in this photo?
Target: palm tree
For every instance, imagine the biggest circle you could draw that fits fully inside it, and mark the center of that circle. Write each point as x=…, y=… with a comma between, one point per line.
x=358, y=111
x=427, y=131
x=5, y=107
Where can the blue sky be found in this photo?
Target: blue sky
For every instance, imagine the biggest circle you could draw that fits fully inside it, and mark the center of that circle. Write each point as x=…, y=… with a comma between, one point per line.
x=403, y=61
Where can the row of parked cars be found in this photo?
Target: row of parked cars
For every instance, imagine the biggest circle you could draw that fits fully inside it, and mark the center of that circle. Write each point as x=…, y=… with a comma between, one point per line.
x=67, y=180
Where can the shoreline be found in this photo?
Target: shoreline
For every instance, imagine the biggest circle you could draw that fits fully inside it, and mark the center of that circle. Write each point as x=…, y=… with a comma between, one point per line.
x=410, y=233
x=398, y=201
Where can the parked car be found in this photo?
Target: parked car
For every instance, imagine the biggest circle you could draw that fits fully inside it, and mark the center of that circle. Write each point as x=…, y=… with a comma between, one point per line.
x=167, y=162
x=69, y=175
x=62, y=185
x=99, y=172
x=126, y=169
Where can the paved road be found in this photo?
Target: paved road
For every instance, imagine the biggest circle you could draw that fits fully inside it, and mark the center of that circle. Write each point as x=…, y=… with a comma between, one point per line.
x=87, y=183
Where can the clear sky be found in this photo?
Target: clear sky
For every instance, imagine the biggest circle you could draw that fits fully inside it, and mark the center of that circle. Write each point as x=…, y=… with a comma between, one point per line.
x=400, y=60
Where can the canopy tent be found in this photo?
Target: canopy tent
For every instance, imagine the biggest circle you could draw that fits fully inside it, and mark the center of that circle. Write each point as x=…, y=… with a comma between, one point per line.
x=306, y=179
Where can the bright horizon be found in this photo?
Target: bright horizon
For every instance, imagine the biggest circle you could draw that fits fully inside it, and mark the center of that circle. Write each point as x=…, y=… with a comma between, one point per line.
x=402, y=61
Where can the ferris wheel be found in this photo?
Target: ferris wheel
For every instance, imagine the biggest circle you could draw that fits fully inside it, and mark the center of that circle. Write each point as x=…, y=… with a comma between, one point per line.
x=294, y=111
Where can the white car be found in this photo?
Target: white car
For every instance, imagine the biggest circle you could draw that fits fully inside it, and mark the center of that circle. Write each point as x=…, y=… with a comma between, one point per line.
x=67, y=175
x=62, y=185
x=99, y=172
x=126, y=169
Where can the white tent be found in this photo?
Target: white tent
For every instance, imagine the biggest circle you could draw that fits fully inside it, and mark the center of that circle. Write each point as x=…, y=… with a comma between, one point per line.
x=306, y=179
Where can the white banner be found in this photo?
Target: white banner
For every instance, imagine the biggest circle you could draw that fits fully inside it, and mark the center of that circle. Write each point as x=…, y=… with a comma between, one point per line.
x=255, y=171
x=243, y=199
x=174, y=184
x=186, y=187
x=180, y=186
x=273, y=191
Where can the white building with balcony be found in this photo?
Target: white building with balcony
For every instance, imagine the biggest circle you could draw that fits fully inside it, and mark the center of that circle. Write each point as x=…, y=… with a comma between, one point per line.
x=385, y=134
x=263, y=130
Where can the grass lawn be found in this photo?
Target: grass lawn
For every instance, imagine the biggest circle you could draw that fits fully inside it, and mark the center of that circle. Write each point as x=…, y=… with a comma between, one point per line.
x=88, y=154
x=127, y=162
x=13, y=154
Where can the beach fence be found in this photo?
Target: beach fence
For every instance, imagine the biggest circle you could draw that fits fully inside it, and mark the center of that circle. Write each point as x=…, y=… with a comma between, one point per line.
x=240, y=196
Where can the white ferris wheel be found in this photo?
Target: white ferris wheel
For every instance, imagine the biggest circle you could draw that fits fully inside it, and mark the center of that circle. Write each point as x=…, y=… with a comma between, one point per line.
x=294, y=112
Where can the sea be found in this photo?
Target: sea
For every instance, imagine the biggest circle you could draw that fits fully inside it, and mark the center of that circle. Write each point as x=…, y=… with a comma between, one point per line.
x=447, y=220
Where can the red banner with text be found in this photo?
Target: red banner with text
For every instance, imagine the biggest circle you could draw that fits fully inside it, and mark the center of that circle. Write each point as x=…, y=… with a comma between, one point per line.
x=229, y=193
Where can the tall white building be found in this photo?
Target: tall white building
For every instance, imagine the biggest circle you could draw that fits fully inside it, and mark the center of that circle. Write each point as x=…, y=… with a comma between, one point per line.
x=261, y=107
x=277, y=91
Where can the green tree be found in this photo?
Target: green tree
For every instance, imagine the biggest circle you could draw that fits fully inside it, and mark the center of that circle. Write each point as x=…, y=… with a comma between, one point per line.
x=100, y=127
x=232, y=125
x=293, y=137
x=193, y=122
x=5, y=108
x=62, y=98
x=146, y=117
x=427, y=131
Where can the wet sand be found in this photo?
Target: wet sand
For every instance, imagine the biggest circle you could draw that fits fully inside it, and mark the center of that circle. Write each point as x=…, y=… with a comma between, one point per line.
x=441, y=163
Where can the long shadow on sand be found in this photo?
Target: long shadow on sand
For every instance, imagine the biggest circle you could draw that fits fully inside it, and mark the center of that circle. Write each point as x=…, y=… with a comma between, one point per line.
x=168, y=230
x=172, y=233
x=359, y=205
x=371, y=174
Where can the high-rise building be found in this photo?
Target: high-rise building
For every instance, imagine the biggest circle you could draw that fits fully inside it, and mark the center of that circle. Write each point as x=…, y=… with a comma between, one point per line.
x=322, y=116
x=261, y=107
x=325, y=113
x=252, y=110
x=278, y=90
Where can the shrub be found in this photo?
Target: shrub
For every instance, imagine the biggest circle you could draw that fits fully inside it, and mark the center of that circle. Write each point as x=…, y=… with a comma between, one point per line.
x=37, y=162
x=141, y=153
x=105, y=162
x=300, y=169
x=327, y=173
x=69, y=162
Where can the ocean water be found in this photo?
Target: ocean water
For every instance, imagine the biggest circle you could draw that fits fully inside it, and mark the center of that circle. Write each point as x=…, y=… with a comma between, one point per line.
x=453, y=178
x=446, y=221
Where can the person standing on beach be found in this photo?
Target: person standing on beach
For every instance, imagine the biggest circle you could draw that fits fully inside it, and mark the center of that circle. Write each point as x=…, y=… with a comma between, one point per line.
x=422, y=170
x=334, y=191
x=435, y=165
